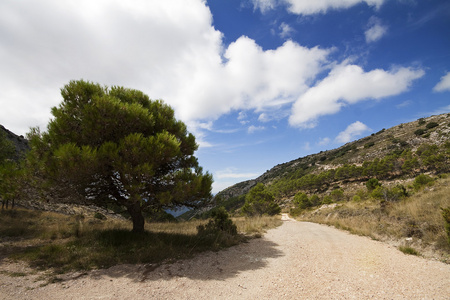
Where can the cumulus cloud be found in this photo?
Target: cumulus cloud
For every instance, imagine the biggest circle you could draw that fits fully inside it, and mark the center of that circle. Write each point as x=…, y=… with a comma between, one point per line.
x=348, y=84
x=351, y=132
x=444, y=84
x=168, y=49
x=375, y=31
x=308, y=7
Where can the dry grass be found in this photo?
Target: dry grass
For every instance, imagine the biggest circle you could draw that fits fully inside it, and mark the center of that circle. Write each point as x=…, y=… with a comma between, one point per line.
x=415, y=221
x=64, y=243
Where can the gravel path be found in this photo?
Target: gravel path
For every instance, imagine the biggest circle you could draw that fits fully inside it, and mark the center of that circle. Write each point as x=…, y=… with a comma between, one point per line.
x=294, y=261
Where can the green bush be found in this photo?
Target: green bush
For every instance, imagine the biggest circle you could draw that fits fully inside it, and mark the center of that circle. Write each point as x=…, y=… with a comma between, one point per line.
x=431, y=125
x=419, y=132
x=301, y=200
x=220, y=223
x=368, y=145
x=422, y=180
x=372, y=184
x=260, y=201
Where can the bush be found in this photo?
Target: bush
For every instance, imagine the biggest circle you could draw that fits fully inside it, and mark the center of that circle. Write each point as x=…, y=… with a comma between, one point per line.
x=220, y=223
x=368, y=145
x=372, y=184
x=301, y=200
x=421, y=180
x=431, y=125
x=259, y=201
x=99, y=216
x=419, y=132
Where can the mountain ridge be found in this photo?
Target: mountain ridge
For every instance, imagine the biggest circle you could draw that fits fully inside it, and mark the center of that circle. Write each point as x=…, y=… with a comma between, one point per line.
x=434, y=130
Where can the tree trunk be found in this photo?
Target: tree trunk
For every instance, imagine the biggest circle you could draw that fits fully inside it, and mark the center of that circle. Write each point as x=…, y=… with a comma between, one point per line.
x=136, y=216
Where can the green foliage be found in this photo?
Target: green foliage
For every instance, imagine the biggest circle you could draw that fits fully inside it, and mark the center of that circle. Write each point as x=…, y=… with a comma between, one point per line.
x=260, y=201
x=422, y=180
x=446, y=216
x=372, y=184
x=409, y=250
x=431, y=125
x=7, y=150
x=421, y=121
x=419, y=132
x=115, y=145
x=327, y=199
x=356, y=198
x=368, y=145
x=337, y=195
x=301, y=200
x=220, y=223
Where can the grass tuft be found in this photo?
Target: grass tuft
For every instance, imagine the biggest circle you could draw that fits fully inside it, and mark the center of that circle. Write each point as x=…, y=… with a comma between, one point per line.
x=409, y=250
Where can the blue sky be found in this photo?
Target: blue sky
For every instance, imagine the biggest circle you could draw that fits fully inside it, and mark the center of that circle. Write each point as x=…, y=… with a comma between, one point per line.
x=259, y=82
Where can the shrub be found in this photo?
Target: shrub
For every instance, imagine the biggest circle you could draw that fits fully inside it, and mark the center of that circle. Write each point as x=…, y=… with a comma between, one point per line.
x=327, y=199
x=301, y=200
x=419, y=132
x=421, y=121
x=372, y=184
x=422, y=180
x=431, y=125
x=99, y=216
x=368, y=145
x=260, y=201
x=220, y=223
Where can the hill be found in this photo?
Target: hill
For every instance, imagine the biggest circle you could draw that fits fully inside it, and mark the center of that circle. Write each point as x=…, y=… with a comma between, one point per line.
x=398, y=153
x=20, y=143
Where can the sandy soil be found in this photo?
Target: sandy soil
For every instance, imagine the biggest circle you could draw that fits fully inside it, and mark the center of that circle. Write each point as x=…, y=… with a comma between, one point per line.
x=294, y=261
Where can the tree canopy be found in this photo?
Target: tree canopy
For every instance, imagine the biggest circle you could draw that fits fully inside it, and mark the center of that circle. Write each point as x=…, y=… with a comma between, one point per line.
x=115, y=145
x=260, y=201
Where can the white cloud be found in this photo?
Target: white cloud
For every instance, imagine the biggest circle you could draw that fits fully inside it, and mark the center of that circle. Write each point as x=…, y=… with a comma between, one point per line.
x=234, y=173
x=286, y=30
x=253, y=129
x=323, y=142
x=264, y=5
x=168, y=49
x=345, y=85
x=351, y=132
x=375, y=31
x=264, y=118
x=309, y=7
x=444, y=84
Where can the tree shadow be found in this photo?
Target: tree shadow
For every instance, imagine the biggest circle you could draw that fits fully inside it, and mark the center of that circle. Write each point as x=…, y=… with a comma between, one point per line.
x=209, y=265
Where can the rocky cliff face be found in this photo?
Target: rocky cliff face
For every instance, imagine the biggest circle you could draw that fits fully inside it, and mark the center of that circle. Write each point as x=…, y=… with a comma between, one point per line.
x=20, y=143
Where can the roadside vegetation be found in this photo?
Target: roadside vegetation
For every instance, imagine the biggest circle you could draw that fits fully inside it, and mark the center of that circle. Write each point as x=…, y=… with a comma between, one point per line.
x=415, y=220
x=63, y=243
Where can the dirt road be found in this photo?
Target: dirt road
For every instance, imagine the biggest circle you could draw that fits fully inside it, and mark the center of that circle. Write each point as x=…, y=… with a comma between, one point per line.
x=295, y=261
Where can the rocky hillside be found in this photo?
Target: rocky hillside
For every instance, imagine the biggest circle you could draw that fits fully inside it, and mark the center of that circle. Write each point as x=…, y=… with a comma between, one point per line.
x=434, y=130
x=19, y=142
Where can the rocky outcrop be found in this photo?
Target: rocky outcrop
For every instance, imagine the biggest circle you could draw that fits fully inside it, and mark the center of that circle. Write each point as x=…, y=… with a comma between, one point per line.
x=20, y=143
